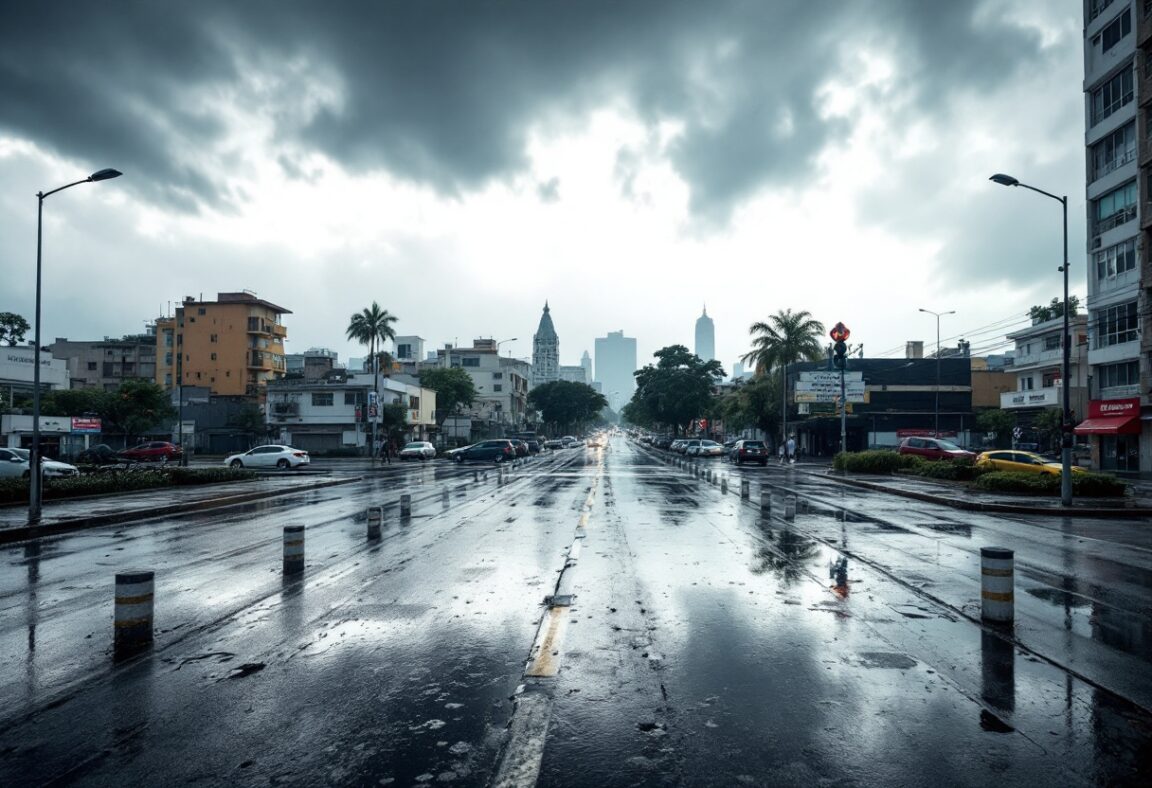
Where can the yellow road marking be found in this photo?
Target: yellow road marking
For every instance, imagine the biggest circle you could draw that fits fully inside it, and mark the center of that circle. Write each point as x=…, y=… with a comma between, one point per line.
x=546, y=659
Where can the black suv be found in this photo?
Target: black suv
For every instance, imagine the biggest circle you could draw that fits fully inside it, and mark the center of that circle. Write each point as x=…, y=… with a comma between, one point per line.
x=749, y=451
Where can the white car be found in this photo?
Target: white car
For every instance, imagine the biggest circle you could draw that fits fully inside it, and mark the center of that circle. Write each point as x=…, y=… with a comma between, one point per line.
x=418, y=450
x=269, y=457
x=15, y=463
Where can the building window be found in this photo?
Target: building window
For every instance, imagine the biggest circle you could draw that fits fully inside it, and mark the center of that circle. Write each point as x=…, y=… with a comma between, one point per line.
x=1126, y=373
x=1115, y=259
x=1116, y=324
x=1025, y=384
x=1050, y=378
x=470, y=361
x=1052, y=342
x=497, y=375
x=213, y=356
x=201, y=311
x=91, y=366
x=213, y=337
x=1096, y=7
x=1116, y=207
x=404, y=351
x=322, y=399
x=414, y=403
x=351, y=398
x=1115, y=150
x=1115, y=30
x=497, y=387
x=1112, y=95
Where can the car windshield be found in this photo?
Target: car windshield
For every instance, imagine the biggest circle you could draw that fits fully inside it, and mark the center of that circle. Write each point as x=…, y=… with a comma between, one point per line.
x=23, y=454
x=753, y=445
x=414, y=446
x=948, y=446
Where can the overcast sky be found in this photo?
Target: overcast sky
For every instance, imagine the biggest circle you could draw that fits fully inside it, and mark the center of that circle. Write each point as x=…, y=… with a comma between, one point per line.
x=462, y=162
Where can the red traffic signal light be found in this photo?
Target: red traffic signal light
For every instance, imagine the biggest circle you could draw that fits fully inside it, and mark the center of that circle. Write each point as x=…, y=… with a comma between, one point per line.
x=839, y=332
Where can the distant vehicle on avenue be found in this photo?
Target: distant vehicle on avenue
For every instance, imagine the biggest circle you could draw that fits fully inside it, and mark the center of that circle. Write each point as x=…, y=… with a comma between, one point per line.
x=934, y=449
x=496, y=450
x=152, y=451
x=273, y=456
x=418, y=450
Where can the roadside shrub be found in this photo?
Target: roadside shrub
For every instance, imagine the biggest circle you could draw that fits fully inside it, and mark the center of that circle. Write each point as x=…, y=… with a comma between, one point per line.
x=120, y=480
x=874, y=461
x=948, y=470
x=1011, y=482
x=1098, y=485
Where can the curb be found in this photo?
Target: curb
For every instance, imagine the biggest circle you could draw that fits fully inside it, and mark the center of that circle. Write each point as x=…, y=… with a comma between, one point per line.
x=1005, y=508
x=25, y=532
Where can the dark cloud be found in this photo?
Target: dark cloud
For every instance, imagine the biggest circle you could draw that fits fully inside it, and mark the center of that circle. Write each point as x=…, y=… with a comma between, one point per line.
x=549, y=191
x=444, y=93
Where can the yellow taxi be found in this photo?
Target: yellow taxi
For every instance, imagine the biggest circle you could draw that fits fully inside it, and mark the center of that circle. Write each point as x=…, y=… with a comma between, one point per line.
x=1021, y=462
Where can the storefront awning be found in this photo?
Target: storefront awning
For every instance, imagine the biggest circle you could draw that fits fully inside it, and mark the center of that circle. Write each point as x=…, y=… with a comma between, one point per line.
x=1109, y=425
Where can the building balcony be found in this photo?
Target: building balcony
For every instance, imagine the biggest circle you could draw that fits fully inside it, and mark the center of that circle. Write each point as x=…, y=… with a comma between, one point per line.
x=1037, y=398
x=279, y=330
x=1045, y=358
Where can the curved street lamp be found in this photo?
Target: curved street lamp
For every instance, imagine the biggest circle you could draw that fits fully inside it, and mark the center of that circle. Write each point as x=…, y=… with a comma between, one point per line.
x=1066, y=341
x=35, y=480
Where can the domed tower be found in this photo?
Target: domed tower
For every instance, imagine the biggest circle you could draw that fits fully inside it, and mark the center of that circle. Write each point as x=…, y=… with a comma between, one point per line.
x=545, y=351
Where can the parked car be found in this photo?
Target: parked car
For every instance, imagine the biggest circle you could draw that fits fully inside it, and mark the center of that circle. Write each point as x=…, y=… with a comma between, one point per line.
x=15, y=463
x=533, y=446
x=675, y=445
x=749, y=451
x=570, y=441
x=269, y=457
x=100, y=454
x=418, y=450
x=153, y=451
x=1022, y=462
x=705, y=448
x=497, y=450
x=689, y=447
x=934, y=449
x=554, y=443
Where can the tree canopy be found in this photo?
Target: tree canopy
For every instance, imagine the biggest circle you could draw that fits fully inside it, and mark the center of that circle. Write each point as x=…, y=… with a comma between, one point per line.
x=566, y=405
x=786, y=337
x=453, y=386
x=1042, y=314
x=371, y=326
x=13, y=327
x=674, y=391
x=138, y=407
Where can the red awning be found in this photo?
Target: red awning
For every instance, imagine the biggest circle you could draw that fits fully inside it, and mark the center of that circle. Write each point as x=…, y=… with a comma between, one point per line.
x=1109, y=425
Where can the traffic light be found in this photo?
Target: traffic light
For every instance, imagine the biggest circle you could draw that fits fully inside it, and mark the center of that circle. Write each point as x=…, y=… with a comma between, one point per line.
x=839, y=350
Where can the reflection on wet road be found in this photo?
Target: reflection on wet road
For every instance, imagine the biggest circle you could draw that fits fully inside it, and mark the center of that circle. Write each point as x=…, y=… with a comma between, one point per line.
x=596, y=617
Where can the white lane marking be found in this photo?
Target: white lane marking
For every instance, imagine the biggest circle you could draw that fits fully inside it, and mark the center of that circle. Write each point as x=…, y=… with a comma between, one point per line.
x=520, y=766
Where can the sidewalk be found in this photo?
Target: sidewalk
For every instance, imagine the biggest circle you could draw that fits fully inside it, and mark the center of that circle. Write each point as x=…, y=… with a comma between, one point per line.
x=60, y=516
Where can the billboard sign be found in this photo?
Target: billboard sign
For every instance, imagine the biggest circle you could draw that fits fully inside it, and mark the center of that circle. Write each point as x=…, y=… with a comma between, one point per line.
x=85, y=425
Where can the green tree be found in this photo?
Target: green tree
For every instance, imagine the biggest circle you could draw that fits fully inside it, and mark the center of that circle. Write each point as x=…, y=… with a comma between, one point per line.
x=566, y=405
x=393, y=420
x=372, y=326
x=136, y=408
x=1042, y=314
x=250, y=421
x=1000, y=423
x=1047, y=425
x=786, y=338
x=752, y=404
x=676, y=390
x=453, y=386
x=13, y=327
x=75, y=402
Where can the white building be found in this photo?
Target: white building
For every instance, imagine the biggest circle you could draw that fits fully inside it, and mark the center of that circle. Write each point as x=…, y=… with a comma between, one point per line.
x=501, y=384
x=1113, y=91
x=18, y=367
x=1037, y=362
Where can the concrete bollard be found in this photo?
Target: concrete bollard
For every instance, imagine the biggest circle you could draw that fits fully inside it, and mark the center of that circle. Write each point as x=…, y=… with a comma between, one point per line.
x=135, y=592
x=405, y=505
x=790, y=507
x=766, y=501
x=475, y=476
x=724, y=484
x=445, y=497
x=745, y=489
x=375, y=519
x=293, y=549
x=997, y=585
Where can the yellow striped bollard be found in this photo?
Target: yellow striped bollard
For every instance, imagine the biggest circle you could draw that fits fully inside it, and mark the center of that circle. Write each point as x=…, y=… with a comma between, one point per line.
x=135, y=593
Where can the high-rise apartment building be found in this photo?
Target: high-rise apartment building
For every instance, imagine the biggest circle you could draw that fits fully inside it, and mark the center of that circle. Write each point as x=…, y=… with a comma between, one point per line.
x=1118, y=93
x=106, y=364
x=615, y=365
x=233, y=345
x=545, y=351
x=705, y=337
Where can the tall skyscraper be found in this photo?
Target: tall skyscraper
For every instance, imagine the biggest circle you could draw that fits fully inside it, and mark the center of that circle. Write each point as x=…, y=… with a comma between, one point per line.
x=615, y=365
x=545, y=351
x=586, y=362
x=705, y=337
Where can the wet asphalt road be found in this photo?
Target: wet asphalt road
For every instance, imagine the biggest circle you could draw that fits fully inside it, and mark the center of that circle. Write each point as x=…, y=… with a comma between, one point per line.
x=702, y=644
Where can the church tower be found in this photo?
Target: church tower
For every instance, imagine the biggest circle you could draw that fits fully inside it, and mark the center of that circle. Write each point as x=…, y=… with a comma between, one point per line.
x=705, y=337
x=545, y=351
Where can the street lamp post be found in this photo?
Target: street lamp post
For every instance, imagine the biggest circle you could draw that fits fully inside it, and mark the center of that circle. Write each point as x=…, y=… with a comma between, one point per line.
x=1066, y=341
x=35, y=481
x=936, y=428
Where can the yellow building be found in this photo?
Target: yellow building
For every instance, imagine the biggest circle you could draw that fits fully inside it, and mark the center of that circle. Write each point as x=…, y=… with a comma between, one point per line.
x=233, y=345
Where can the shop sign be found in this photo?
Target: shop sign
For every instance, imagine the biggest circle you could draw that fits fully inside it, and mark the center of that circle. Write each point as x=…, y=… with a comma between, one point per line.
x=86, y=425
x=1113, y=408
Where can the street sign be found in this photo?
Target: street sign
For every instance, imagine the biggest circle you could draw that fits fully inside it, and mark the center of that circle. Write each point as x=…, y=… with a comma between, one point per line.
x=1017, y=432
x=860, y=397
x=826, y=376
x=854, y=387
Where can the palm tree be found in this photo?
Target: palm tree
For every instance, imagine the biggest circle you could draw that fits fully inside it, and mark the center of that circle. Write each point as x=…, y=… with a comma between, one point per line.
x=786, y=338
x=372, y=326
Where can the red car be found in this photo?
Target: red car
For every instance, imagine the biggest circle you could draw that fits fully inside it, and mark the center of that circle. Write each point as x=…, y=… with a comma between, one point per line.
x=935, y=449
x=153, y=451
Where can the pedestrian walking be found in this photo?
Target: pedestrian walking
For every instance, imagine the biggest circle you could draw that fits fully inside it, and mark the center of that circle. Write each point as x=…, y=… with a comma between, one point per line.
x=780, y=453
x=790, y=450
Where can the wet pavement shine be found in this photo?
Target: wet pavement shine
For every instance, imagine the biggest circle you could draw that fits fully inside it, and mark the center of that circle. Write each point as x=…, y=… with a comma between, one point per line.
x=597, y=617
